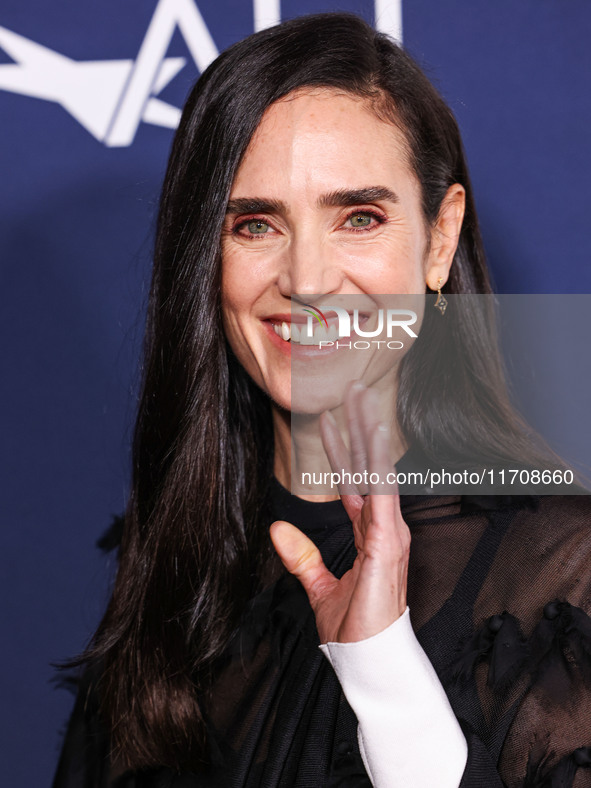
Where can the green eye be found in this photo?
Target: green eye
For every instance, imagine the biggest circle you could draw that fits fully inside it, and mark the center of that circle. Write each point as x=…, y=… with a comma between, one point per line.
x=257, y=227
x=360, y=220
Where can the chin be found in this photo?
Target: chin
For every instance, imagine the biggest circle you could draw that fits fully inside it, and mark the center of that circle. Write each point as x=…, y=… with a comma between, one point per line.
x=311, y=403
x=287, y=402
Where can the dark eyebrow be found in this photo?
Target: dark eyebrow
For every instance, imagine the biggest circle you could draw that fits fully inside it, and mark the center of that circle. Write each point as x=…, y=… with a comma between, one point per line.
x=254, y=205
x=344, y=197
x=336, y=199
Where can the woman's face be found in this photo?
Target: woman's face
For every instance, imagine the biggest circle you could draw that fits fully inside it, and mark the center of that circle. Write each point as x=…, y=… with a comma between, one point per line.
x=324, y=202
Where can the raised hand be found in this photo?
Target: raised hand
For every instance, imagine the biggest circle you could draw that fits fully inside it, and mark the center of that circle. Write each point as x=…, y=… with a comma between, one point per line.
x=372, y=594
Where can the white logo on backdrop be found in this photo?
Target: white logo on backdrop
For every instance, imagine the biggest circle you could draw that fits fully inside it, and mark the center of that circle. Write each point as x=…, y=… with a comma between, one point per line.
x=110, y=98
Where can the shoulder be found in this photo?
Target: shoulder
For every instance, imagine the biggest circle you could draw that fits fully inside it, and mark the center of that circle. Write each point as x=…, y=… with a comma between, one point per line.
x=557, y=532
x=554, y=518
x=545, y=555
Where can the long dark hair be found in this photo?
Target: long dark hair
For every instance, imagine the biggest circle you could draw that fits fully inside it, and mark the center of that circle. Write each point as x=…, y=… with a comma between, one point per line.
x=195, y=539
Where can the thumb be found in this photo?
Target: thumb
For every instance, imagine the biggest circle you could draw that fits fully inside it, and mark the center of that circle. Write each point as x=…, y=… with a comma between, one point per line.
x=302, y=558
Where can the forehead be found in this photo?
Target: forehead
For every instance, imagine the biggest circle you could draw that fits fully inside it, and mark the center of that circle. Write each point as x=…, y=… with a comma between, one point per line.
x=325, y=136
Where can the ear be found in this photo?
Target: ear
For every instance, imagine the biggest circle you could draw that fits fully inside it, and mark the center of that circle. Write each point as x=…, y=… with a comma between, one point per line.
x=445, y=236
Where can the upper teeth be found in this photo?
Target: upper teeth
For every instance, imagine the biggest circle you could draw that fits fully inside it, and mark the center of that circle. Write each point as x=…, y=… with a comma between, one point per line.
x=295, y=333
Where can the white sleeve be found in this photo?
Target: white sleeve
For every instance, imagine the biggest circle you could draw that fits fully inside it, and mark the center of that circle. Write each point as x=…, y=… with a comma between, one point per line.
x=408, y=734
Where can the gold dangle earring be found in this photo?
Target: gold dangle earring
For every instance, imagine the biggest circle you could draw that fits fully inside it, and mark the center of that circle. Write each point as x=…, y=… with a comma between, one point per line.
x=441, y=302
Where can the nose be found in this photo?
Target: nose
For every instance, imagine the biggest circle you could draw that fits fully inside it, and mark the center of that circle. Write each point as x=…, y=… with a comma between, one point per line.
x=309, y=267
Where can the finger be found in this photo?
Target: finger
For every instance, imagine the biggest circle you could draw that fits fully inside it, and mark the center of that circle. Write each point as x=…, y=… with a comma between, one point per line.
x=356, y=432
x=369, y=414
x=338, y=454
x=340, y=461
x=302, y=558
x=381, y=475
x=377, y=515
x=386, y=521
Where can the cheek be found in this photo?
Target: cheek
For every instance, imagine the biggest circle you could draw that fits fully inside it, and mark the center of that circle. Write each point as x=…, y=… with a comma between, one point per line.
x=392, y=265
x=240, y=293
x=232, y=298
x=234, y=305
x=235, y=283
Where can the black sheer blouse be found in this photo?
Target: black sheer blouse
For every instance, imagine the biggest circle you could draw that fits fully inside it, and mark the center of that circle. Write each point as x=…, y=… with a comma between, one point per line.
x=499, y=592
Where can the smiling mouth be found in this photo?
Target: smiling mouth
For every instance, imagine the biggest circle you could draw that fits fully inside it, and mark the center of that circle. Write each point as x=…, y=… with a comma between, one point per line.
x=298, y=334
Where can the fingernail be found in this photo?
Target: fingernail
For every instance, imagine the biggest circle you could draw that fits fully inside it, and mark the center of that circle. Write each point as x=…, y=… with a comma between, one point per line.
x=383, y=428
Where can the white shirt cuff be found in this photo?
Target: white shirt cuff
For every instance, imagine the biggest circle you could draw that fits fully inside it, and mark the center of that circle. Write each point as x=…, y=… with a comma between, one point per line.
x=408, y=734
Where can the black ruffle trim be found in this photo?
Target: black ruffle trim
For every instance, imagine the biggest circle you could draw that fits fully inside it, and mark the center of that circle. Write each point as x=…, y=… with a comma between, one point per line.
x=559, y=645
x=562, y=775
x=501, y=642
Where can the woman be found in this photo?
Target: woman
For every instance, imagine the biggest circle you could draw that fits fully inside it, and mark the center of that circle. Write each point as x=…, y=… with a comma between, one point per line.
x=316, y=158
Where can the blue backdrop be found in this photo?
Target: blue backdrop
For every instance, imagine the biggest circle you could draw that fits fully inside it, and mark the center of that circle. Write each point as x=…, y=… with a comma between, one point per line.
x=89, y=94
